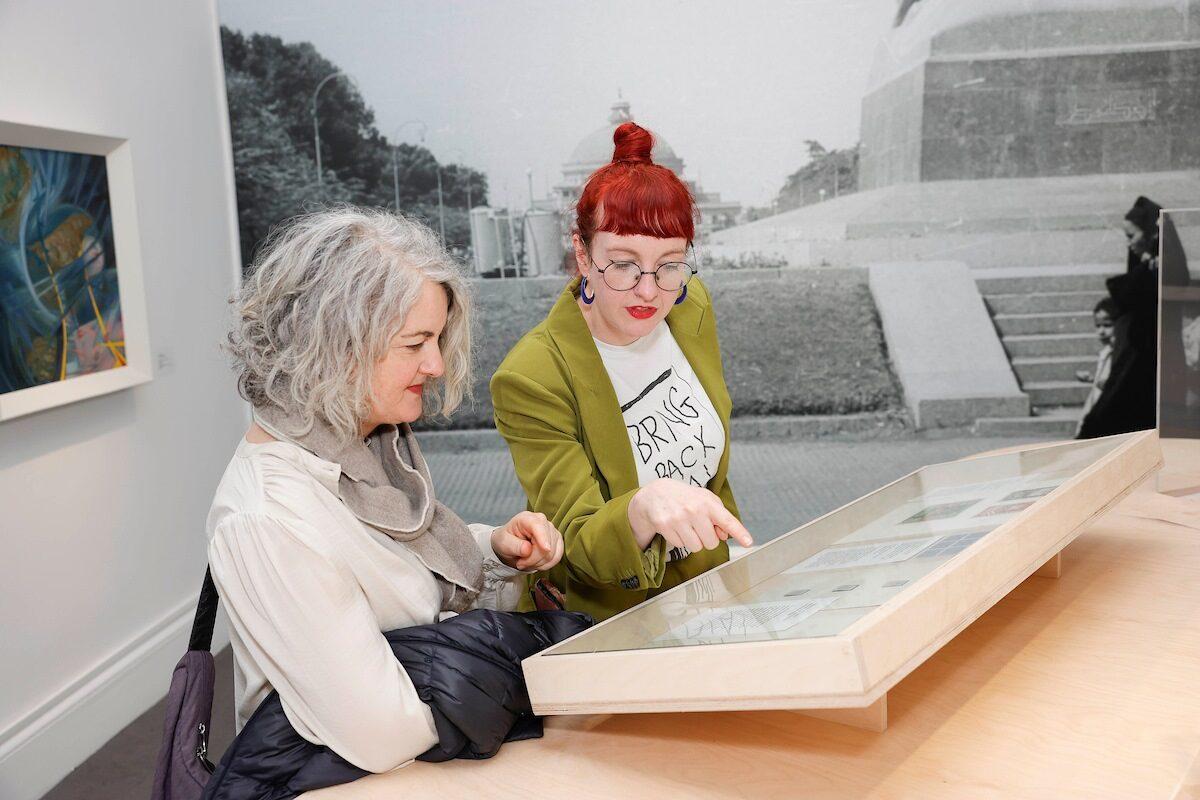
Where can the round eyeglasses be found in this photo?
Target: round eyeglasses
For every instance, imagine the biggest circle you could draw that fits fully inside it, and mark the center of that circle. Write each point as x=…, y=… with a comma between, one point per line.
x=621, y=276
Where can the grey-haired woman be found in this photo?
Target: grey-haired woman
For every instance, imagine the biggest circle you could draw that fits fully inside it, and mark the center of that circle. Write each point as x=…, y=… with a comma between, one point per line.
x=324, y=531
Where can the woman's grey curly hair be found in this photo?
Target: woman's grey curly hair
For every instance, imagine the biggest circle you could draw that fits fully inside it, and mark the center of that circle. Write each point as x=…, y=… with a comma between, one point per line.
x=325, y=296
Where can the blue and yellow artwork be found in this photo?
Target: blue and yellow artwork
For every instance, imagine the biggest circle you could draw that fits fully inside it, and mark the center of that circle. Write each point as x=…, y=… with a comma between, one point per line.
x=60, y=308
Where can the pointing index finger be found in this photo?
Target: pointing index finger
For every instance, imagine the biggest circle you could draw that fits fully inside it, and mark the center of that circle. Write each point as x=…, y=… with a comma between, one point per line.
x=735, y=529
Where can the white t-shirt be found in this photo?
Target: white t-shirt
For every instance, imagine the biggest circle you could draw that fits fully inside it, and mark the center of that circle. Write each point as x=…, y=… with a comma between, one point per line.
x=673, y=428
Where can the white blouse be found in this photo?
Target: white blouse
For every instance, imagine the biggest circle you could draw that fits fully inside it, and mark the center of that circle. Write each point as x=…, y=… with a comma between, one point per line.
x=308, y=590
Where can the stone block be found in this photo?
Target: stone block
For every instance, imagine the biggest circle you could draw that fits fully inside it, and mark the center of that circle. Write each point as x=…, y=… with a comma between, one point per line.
x=1007, y=33
x=1057, y=344
x=1135, y=147
x=962, y=412
x=1136, y=68
x=1051, y=368
x=1031, y=280
x=1045, y=322
x=945, y=75
x=1056, y=426
x=891, y=131
x=1185, y=149
x=1179, y=102
x=1071, y=151
x=1043, y=302
x=942, y=344
x=1057, y=393
x=977, y=111
x=1047, y=113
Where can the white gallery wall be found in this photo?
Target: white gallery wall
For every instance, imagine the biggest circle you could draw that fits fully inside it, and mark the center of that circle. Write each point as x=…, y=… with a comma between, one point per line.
x=102, y=502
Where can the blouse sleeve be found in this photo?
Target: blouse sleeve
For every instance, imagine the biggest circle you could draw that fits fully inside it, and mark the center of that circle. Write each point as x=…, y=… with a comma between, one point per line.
x=502, y=584
x=309, y=628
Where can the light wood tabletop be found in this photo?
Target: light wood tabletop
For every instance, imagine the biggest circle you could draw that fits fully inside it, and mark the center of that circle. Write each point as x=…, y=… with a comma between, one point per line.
x=1082, y=686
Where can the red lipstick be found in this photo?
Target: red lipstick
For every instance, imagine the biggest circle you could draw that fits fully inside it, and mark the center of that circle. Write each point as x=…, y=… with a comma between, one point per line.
x=641, y=312
x=417, y=388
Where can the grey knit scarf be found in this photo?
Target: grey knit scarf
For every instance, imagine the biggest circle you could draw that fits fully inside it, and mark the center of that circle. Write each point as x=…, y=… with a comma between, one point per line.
x=386, y=484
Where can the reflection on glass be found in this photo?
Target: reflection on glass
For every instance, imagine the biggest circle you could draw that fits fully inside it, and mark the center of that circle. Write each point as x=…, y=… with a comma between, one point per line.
x=820, y=578
x=1179, y=328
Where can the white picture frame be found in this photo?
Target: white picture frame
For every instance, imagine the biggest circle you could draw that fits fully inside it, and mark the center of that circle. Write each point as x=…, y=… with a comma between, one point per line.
x=126, y=244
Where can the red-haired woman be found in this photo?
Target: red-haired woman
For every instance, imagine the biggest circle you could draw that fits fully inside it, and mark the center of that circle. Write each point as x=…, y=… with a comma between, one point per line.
x=615, y=408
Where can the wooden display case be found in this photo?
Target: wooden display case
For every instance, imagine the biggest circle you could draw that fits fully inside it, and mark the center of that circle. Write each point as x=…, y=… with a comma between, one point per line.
x=830, y=616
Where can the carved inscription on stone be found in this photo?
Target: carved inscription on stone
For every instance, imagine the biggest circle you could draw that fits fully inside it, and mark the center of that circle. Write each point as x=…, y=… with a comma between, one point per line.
x=1101, y=106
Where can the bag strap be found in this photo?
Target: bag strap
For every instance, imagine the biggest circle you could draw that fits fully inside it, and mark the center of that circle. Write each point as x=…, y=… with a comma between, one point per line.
x=206, y=615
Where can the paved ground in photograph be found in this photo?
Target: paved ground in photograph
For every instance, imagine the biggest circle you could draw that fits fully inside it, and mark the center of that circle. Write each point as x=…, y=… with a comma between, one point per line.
x=778, y=485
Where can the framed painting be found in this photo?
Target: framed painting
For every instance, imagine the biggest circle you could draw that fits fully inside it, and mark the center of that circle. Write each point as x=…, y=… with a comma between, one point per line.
x=829, y=617
x=72, y=308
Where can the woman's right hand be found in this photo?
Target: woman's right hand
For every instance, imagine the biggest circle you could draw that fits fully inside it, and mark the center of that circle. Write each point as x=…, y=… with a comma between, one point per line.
x=686, y=516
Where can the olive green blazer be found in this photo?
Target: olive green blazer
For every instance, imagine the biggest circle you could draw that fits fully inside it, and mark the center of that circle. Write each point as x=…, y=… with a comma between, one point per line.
x=556, y=408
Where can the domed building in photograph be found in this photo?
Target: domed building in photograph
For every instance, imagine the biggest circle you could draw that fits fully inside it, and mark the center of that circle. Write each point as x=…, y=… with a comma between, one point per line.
x=596, y=149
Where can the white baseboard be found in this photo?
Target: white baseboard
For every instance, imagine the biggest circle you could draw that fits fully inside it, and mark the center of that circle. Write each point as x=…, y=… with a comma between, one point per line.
x=41, y=748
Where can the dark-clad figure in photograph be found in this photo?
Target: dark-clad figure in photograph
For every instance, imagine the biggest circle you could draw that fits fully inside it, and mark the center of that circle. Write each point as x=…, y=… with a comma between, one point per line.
x=1129, y=400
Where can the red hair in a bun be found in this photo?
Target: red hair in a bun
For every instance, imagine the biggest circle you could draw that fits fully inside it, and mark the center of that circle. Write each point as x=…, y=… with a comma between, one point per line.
x=632, y=143
x=633, y=195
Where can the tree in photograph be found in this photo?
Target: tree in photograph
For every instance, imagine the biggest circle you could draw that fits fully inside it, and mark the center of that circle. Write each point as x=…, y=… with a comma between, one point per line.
x=828, y=174
x=351, y=147
x=270, y=85
x=274, y=179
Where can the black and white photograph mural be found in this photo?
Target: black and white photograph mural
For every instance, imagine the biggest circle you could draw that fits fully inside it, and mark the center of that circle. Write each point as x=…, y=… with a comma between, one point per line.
x=617, y=382
x=908, y=212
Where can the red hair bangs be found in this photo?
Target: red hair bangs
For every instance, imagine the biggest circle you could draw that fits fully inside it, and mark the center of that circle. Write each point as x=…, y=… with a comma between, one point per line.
x=633, y=195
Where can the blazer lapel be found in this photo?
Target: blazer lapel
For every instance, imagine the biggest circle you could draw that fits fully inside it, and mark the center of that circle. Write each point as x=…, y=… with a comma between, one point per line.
x=599, y=411
x=686, y=322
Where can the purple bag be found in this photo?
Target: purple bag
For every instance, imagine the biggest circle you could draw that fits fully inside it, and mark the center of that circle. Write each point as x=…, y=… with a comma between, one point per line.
x=183, y=767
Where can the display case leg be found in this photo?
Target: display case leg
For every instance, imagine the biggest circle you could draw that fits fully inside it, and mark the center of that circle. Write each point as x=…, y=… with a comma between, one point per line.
x=871, y=718
x=1052, y=568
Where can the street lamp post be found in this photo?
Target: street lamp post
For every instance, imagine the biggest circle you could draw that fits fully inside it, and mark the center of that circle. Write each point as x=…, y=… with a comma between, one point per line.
x=395, y=150
x=456, y=156
x=316, y=123
x=461, y=164
x=441, y=206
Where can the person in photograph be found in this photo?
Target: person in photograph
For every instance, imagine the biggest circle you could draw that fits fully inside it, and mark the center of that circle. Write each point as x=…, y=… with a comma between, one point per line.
x=1104, y=316
x=1129, y=401
x=325, y=531
x=614, y=407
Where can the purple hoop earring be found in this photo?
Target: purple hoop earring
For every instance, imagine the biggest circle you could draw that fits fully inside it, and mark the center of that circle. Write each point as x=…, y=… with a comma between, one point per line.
x=682, y=295
x=583, y=292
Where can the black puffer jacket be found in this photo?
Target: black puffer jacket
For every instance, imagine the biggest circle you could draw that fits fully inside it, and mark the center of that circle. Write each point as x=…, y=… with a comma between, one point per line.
x=466, y=669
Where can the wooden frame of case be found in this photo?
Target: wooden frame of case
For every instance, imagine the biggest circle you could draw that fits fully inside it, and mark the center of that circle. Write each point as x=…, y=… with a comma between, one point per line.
x=846, y=676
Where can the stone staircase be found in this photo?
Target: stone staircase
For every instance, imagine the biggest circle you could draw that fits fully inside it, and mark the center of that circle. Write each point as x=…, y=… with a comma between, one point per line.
x=1044, y=318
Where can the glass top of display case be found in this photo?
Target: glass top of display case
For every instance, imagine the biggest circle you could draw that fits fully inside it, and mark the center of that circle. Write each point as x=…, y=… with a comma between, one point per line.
x=821, y=578
x=827, y=618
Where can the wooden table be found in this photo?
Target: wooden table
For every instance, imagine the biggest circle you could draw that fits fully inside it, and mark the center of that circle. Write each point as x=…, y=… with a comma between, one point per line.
x=1083, y=686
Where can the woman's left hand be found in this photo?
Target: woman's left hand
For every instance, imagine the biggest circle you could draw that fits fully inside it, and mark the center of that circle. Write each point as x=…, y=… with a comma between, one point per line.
x=528, y=542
